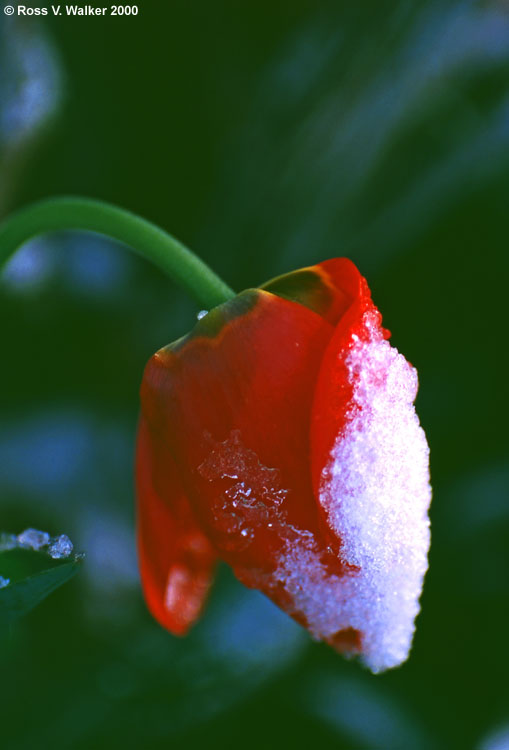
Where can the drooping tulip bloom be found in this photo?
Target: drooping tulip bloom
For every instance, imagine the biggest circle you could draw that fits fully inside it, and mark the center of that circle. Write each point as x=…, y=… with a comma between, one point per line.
x=280, y=436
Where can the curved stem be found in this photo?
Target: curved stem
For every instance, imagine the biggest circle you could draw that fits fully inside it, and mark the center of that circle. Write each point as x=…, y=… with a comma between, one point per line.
x=140, y=235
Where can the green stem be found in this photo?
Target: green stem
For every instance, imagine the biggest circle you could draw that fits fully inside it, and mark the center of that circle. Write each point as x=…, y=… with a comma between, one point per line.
x=145, y=238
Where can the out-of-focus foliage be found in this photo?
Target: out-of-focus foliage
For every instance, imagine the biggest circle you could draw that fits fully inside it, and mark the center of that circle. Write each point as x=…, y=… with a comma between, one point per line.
x=266, y=136
x=29, y=96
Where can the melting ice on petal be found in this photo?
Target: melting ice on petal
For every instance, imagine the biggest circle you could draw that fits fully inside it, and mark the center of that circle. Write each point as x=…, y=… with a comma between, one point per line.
x=376, y=493
x=253, y=497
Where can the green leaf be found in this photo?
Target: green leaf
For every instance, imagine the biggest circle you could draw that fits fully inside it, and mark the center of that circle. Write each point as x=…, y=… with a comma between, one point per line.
x=27, y=577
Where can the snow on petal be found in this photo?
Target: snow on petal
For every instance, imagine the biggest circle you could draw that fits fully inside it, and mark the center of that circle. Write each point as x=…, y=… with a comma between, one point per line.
x=375, y=490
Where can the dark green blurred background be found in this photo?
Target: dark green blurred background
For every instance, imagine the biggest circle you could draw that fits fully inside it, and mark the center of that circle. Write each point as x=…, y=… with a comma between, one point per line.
x=266, y=136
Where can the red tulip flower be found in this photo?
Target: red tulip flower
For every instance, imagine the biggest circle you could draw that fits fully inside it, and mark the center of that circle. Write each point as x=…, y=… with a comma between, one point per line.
x=280, y=436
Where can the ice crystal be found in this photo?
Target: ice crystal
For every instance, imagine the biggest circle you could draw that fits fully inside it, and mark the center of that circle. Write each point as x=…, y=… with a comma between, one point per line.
x=33, y=539
x=60, y=547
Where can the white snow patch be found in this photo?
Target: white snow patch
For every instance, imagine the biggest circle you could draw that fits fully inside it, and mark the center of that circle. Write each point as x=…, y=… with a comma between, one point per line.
x=376, y=492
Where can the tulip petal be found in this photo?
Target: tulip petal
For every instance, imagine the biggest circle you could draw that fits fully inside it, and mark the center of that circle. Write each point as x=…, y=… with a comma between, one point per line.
x=176, y=559
x=232, y=401
x=328, y=288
